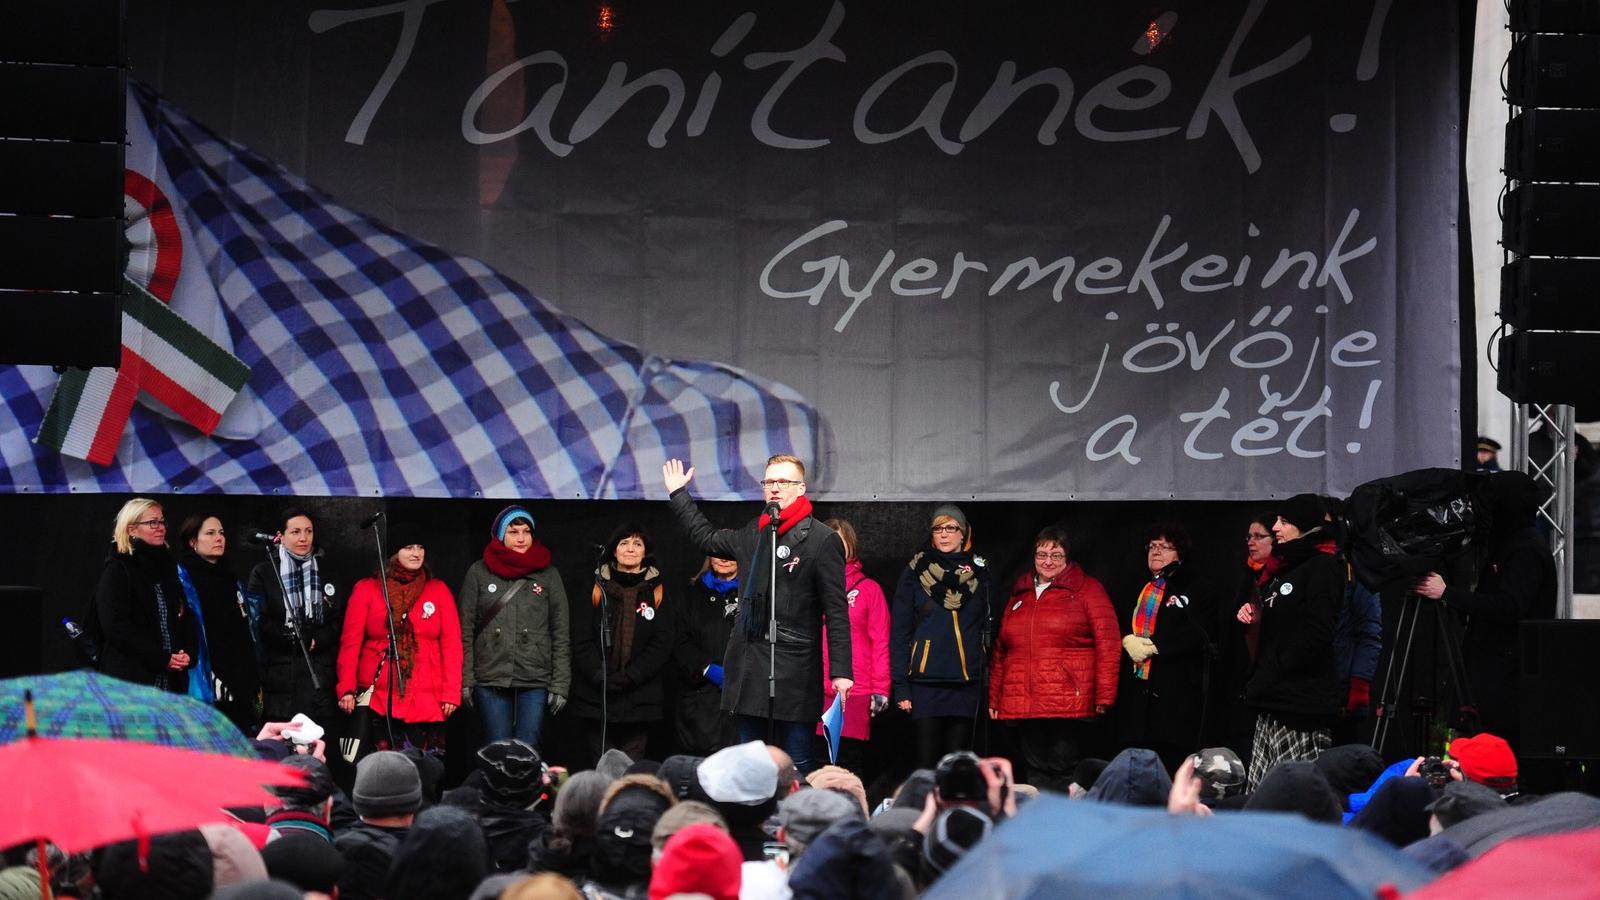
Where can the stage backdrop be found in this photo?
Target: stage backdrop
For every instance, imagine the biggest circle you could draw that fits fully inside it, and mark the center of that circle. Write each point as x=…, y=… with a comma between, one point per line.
x=482, y=248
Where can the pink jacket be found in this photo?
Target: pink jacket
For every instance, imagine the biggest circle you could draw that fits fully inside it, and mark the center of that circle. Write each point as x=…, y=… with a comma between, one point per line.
x=869, y=652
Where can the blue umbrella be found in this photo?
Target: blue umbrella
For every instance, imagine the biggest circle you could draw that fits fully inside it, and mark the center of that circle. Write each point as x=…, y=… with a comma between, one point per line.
x=85, y=704
x=1057, y=847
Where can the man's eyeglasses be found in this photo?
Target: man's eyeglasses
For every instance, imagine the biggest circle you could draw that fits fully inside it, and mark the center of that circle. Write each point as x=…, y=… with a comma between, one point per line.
x=947, y=529
x=1159, y=547
x=778, y=483
x=152, y=523
x=1056, y=555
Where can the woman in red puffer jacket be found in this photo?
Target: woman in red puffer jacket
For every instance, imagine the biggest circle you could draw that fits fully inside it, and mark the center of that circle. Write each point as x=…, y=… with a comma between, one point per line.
x=1055, y=665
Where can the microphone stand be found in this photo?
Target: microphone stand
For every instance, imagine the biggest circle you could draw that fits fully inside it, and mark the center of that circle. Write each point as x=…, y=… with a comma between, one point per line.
x=294, y=619
x=772, y=626
x=392, y=654
x=605, y=642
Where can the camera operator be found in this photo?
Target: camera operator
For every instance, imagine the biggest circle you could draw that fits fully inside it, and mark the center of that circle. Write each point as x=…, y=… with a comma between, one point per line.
x=1517, y=582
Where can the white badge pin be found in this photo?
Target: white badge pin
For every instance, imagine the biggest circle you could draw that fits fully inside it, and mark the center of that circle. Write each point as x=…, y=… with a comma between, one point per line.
x=649, y=613
x=1286, y=589
x=428, y=609
x=978, y=560
x=493, y=587
x=328, y=589
x=783, y=552
x=1017, y=605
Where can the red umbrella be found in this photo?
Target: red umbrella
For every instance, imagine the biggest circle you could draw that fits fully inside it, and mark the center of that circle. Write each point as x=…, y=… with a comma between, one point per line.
x=79, y=793
x=1551, y=867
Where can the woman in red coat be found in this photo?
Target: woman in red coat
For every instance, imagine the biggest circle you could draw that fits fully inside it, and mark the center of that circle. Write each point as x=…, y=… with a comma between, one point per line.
x=427, y=636
x=1055, y=665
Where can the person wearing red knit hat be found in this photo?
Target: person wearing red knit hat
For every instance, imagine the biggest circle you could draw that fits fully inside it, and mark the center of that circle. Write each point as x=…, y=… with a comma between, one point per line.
x=1488, y=760
x=699, y=859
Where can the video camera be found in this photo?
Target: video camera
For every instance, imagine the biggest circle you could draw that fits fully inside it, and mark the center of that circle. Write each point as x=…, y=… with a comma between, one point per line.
x=1411, y=524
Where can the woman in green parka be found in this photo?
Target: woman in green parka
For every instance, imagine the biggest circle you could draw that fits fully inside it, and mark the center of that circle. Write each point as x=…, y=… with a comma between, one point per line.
x=516, y=659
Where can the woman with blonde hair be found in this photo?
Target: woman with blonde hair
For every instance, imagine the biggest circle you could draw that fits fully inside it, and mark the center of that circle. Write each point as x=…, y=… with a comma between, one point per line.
x=141, y=618
x=939, y=620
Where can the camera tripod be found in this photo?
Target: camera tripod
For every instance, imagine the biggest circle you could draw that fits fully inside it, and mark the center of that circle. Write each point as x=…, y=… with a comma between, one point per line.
x=1394, y=677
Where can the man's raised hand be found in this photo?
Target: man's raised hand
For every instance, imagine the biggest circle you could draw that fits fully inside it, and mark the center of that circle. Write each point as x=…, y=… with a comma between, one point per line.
x=674, y=476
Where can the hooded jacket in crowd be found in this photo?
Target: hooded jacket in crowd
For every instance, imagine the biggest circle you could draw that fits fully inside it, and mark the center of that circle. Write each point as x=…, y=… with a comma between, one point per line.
x=442, y=857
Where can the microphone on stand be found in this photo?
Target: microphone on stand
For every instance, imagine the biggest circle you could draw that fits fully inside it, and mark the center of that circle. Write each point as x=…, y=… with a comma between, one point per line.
x=773, y=511
x=371, y=520
x=262, y=538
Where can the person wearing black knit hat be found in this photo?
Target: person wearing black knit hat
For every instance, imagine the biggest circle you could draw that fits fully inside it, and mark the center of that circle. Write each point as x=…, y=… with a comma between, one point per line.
x=427, y=639
x=1294, y=686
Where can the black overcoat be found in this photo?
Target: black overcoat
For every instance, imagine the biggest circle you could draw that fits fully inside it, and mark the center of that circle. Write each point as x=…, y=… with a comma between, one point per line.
x=810, y=582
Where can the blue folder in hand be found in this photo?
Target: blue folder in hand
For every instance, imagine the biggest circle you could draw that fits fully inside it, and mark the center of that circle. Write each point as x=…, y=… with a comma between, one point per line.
x=833, y=726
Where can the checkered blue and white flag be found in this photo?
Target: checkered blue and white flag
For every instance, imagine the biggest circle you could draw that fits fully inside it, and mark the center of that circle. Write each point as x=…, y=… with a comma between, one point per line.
x=383, y=365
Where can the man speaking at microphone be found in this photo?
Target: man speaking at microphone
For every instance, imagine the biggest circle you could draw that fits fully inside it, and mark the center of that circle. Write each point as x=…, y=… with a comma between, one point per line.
x=810, y=587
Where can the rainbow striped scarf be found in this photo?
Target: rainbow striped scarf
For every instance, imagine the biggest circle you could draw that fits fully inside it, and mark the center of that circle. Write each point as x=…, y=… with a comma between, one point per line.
x=1144, y=618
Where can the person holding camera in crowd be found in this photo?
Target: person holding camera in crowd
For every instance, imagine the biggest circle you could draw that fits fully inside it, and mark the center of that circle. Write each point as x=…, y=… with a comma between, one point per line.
x=516, y=642
x=1517, y=582
x=940, y=619
x=1294, y=686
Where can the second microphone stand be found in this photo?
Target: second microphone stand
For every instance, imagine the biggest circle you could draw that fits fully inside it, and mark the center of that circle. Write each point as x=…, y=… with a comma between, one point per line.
x=772, y=626
x=392, y=654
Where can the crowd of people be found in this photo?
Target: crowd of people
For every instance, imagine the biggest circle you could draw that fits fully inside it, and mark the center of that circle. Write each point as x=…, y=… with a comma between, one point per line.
x=1279, y=669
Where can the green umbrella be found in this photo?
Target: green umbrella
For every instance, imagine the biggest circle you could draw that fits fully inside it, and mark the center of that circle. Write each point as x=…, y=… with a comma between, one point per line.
x=84, y=704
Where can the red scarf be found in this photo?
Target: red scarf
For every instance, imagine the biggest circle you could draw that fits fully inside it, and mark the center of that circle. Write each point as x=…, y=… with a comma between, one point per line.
x=509, y=564
x=788, y=516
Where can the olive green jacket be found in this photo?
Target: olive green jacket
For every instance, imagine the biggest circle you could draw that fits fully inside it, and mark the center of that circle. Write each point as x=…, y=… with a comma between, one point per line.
x=527, y=644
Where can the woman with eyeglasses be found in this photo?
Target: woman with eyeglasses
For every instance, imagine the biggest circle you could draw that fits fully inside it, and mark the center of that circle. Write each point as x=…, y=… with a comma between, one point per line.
x=142, y=620
x=939, y=623
x=1167, y=652
x=1233, y=725
x=1055, y=663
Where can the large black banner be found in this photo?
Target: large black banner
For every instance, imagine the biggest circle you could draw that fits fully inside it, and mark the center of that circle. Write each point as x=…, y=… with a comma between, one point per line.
x=947, y=250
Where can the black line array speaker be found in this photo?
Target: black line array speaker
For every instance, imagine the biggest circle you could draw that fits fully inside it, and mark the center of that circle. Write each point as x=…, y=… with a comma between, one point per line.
x=1560, y=689
x=63, y=72
x=1551, y=294
x=22, y=609
x=1561, y=70
x=1552, y=220
x=1566, y=16
x=1551, y=367
x=1554, y=145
